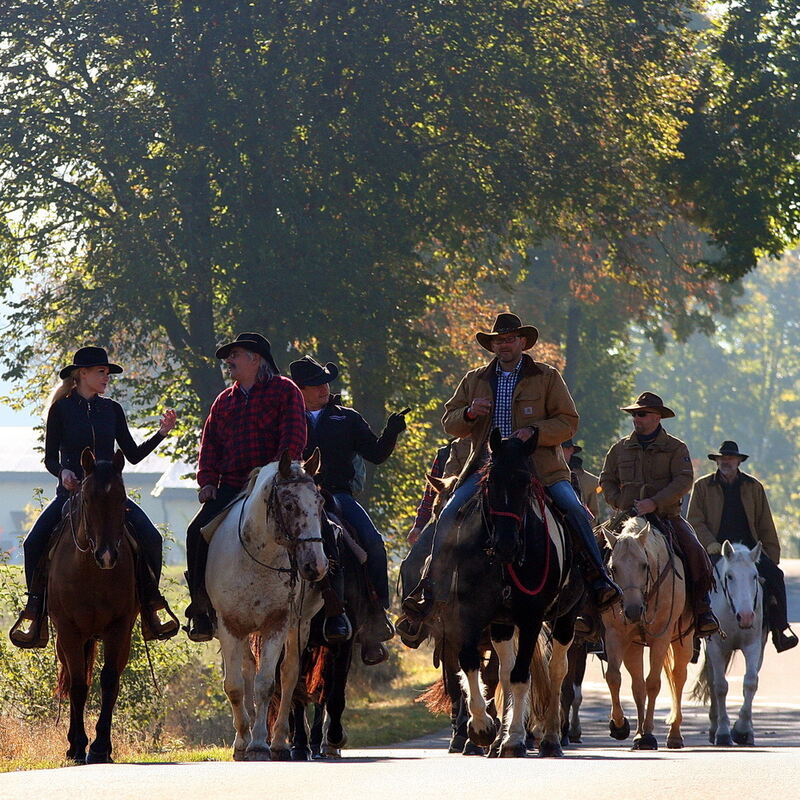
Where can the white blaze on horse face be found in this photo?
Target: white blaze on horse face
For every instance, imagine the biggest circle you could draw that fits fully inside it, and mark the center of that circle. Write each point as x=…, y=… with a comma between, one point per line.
x=311, y=558
x=740, y=584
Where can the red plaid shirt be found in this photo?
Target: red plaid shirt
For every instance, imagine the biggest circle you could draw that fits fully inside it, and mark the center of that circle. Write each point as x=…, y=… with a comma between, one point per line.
x=244, y=431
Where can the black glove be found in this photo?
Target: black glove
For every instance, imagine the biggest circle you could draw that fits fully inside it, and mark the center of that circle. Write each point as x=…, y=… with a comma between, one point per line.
x=396, y=423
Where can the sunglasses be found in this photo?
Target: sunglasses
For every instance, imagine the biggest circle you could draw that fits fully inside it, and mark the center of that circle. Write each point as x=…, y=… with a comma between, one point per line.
x=642, y=413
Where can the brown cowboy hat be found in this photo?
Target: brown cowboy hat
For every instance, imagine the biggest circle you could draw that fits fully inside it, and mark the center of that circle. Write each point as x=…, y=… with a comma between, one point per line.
x=728, y=448
x=651, y=402
x=506, y=323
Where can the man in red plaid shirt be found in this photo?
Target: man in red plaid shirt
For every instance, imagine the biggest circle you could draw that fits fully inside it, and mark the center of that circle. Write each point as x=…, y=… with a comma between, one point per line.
x=250, y=424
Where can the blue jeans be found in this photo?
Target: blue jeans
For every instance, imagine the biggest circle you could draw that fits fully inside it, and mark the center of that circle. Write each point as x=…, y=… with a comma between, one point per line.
x=371, y=540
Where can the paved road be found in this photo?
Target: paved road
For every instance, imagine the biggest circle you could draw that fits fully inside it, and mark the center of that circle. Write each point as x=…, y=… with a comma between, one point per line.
x=599, y=768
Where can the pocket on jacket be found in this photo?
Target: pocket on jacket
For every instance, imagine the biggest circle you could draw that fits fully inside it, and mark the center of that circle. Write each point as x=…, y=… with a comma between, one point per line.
x=627, y=473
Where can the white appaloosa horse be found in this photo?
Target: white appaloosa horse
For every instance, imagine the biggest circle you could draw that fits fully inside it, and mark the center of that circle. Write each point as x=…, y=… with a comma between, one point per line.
x=737, y=601
x=264, y=556
x=652, y=614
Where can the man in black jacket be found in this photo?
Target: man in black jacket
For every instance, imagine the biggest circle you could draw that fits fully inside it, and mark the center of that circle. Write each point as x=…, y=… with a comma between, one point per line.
x=341, y=433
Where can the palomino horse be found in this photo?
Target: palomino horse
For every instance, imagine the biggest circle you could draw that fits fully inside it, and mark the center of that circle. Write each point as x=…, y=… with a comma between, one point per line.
x=737, y=600
x=512, y=562
x=91, y=595
x=264, y=553
x=652, y=614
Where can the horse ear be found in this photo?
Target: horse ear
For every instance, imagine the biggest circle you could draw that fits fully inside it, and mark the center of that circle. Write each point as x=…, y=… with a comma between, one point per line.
x=755, y=553
x=495, y=438
x=313, y=463
x=437, y=484
x=285, y=465
x=611, y=537
x=118, y=461
x=727, y=549
x=87, y=461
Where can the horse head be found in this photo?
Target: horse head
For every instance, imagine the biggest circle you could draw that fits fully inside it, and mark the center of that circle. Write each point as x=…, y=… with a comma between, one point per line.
x=507, y=491
x=296, y=506
x=630, y=564
x=103, y=506
x=740, y=582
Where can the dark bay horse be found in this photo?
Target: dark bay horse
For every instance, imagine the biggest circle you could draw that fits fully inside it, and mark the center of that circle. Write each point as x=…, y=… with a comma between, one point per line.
x=513, y=571
x=91, y=596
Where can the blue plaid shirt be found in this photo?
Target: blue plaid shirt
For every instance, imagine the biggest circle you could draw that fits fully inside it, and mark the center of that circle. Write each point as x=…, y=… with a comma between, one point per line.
x=502, y=399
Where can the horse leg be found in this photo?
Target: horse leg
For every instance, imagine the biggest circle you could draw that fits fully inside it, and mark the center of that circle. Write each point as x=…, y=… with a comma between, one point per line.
x=116, y=651
x=557, y=669
x=316, y=729
x=249, y=677
x=681, y=656
x=72, y=653
x=633, y=658
x=458, y=717
x=335, y=736
x=575, y=732
x=618, y=725
x=715, y=658
x=294, y=643
x=480, y=725
x=743, y=727
x=506, y=656
x=652, y=685
x=234, y=682
x=299, y=725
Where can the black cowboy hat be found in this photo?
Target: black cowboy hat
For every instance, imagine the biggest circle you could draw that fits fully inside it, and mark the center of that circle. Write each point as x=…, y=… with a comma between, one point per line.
x=89, y=357
x=507, y=323
x=650, y=402
x=254, y=342
x=728, y=449
x=309, y=372
x=575, y=448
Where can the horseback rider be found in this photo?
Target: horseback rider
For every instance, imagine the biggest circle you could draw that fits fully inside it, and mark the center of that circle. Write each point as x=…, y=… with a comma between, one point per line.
x=584, y=482
x=80, y=417
x=519, y=396
x=730, y=504
x=648, y=473
x=250, y=424
x=341, y=433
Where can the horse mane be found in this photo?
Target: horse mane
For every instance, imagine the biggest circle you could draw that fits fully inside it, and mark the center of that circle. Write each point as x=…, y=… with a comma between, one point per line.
x=634, y=528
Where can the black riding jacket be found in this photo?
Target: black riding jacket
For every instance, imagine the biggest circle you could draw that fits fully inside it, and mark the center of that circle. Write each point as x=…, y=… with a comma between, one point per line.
x=74, y=423
x=340, y=433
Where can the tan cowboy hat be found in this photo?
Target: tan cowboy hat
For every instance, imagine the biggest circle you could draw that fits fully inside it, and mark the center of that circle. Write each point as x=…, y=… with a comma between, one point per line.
x=504, y=324
x=651, y=402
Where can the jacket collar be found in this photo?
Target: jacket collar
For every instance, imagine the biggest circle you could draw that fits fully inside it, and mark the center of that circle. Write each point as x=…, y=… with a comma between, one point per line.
x=528, y=368
x=716, y=479
x=659, y=442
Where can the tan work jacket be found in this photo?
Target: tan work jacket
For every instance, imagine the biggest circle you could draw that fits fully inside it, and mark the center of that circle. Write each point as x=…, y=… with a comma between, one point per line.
x=705, y=513
x=662, y=472
x=541, y=398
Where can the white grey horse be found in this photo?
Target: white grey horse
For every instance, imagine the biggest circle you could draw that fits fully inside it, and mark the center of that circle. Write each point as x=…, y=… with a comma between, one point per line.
x=738, y=602
x=264, y=556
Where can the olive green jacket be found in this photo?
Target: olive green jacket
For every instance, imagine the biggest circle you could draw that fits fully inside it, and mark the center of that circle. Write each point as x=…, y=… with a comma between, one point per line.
x=705, y=513
x=541, y=398
x=662, y=472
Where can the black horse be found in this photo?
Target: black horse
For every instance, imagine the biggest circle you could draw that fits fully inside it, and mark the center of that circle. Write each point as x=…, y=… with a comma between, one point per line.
x=513, y=570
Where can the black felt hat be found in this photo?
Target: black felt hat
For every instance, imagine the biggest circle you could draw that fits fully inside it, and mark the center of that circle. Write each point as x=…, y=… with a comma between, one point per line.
x=254, y=342
x=90, y=357
x=306, y=371
x=728, y=449
x=575, y=448
x=647, y=401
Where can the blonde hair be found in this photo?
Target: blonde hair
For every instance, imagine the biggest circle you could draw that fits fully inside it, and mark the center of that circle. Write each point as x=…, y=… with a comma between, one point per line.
x=63, y=388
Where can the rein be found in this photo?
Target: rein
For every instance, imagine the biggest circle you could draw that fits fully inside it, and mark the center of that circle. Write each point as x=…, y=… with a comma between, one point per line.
x=81, y=511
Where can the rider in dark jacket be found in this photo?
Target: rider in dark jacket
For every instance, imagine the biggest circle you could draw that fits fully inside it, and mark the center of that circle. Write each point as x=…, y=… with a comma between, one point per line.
x=340, y=433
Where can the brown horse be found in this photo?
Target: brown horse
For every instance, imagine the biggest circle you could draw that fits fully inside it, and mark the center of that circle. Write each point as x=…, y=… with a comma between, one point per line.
x=91, y=594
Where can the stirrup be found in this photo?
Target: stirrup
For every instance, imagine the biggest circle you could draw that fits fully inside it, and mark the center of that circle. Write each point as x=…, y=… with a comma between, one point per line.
x=34, y=634
x=152, y=627
x=199, y=627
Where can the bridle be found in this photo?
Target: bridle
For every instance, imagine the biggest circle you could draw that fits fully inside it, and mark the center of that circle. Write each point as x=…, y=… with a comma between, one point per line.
x=80, y=509
x=727, y=595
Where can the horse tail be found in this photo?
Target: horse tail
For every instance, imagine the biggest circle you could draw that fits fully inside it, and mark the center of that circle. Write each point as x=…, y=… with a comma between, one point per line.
x=316, y=682
x=63, y=683
x=436, y=698
x=701, y=691
x=540, y=680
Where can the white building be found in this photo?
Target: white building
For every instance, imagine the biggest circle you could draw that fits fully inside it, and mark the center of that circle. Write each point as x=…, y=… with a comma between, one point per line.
x=160, y=486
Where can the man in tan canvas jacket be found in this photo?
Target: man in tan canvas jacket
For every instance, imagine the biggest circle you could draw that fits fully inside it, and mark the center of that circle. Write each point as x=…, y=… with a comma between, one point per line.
x=730, y=504
x=519, y=396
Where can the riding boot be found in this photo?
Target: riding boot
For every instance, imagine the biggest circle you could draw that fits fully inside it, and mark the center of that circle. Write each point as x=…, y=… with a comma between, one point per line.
x=783, y=637
x=336, y=627
x=604, y=592
x=705, y=623
x=151, y=601
x=31, y=629
x=200, y=627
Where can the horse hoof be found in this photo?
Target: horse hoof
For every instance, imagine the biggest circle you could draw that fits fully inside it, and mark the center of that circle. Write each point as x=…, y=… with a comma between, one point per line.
x=457, y=743
x=258, y=754
x=575, y=738
x=493, y=751
x=531, y=742
x=744, y=737
x=550, y=750
x=675, y=742
x=472, y=749
x=565, y=740
x=483, y=738
x=712, y=735
x=645, y=742
x=723, y=740
x=280, y=755
x=239, y=755
x=300, y=754
x=93, y=757
x=619, y=732
x=513, y=750
x=329, y=751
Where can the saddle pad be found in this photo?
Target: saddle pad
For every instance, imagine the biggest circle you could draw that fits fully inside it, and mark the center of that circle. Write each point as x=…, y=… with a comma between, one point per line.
x=210, y=528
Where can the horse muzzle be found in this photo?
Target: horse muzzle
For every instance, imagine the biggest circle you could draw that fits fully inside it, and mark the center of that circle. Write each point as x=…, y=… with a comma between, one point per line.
x=106, y=558
x=314, y=567
x=634, y=612
x=746, y=619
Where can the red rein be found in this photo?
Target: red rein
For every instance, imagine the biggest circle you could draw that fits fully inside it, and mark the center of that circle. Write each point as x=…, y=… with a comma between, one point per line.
x=539, y=492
